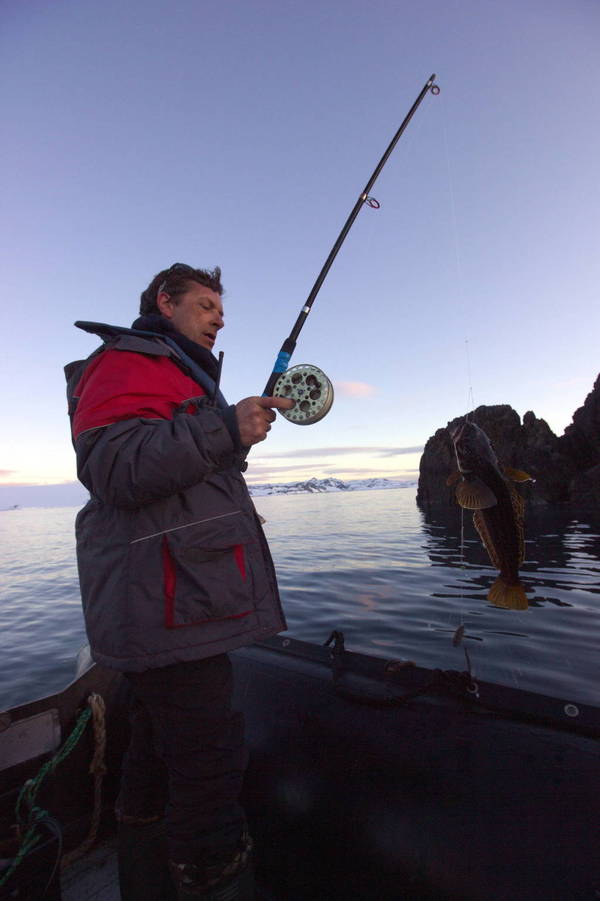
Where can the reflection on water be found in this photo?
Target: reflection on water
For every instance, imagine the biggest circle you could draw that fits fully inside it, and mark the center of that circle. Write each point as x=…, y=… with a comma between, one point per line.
x=397, y=581
x=561, y=552
x=41, y=624
x=551, y=647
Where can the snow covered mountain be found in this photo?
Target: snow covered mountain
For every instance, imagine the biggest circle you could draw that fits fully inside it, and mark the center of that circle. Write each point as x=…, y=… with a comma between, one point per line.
x=315, y=486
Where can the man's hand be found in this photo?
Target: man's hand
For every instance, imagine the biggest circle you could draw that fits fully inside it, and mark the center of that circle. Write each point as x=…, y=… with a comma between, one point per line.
x=255, y=415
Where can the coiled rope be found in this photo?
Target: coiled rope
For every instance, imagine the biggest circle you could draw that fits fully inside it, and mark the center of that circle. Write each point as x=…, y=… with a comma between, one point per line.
x=30, y=816
x=98, y=771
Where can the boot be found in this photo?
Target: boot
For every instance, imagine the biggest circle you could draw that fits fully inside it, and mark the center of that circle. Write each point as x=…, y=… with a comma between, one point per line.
x=144, y=861
x=216, y=881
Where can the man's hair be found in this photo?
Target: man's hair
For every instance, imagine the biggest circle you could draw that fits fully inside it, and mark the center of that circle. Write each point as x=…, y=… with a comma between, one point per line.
x=174, y=281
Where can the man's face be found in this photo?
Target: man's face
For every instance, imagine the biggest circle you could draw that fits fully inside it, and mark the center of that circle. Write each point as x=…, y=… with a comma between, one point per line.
x=197, y=314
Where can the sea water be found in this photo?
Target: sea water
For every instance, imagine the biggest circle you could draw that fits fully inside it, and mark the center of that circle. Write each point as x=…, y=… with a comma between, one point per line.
x=397, y=581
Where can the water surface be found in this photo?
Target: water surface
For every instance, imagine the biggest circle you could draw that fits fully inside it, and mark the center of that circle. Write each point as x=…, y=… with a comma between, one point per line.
x=396, y=581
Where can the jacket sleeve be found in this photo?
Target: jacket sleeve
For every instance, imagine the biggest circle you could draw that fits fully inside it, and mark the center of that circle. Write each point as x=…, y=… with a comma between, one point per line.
x=134, y=450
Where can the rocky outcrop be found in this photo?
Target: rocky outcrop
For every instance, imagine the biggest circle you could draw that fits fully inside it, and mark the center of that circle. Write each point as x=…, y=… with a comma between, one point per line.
x=564, y=469
x=581, y=441
x=584, y=489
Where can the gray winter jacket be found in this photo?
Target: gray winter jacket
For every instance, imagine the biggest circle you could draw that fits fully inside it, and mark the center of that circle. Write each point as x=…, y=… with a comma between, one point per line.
x=173, y=562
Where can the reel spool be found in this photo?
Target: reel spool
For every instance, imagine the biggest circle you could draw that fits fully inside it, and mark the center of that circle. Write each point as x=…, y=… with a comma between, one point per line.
x=310, y=388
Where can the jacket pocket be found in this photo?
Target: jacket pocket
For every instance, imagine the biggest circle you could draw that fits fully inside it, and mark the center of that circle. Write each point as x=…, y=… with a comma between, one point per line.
x=205, y=572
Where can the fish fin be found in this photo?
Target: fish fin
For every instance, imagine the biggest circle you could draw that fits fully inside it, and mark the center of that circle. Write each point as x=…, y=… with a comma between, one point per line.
x=480, y=525
x=517, y=475
x=511, y=597
x=453, y=478
x=475, y=495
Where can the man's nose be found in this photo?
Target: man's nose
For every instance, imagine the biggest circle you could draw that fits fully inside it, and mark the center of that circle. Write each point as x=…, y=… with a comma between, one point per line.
x=218, y=320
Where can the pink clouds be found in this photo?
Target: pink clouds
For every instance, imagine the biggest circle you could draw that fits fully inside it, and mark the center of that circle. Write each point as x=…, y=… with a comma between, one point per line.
x=354, y=389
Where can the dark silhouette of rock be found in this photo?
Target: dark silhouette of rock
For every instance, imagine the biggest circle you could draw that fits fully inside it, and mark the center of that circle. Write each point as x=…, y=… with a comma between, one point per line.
x=565, y=469
x=581, y=440
x=585, y=488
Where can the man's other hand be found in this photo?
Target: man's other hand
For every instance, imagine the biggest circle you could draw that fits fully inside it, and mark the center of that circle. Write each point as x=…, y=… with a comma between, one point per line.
x=255, y=415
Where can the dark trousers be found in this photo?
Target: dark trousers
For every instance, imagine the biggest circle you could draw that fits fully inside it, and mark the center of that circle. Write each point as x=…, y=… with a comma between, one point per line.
x=186, y=756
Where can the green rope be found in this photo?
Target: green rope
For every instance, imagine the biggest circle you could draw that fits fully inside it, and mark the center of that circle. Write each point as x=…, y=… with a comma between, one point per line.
x=29, y=822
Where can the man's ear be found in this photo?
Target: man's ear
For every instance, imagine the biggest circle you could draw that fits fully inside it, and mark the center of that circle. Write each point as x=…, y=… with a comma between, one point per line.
x=163, y=302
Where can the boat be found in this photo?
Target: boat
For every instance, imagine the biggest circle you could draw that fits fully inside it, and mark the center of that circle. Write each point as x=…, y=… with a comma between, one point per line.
x=369, y=779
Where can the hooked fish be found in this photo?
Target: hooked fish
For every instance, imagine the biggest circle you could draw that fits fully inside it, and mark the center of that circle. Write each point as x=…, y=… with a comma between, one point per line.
x=487, y=488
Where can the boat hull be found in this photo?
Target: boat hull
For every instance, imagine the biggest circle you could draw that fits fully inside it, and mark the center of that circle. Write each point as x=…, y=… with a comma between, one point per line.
x=371, y=780
x=354, y=794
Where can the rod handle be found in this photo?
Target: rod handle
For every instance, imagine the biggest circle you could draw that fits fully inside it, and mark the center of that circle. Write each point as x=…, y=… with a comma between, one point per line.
x=281, y=364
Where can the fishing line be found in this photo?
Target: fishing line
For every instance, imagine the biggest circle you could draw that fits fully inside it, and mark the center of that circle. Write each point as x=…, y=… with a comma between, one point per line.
x=452, y=193
x=309, y=387
x=463, y=565
x=460, y=634
x=461, y=303
x=470, y=397
x=457, y=249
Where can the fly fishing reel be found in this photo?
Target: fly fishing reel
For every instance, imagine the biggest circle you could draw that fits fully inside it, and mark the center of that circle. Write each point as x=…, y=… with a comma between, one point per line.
x=310, y=388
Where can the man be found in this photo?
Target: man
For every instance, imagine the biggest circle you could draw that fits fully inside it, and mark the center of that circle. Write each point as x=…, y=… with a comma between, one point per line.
x=175, y=572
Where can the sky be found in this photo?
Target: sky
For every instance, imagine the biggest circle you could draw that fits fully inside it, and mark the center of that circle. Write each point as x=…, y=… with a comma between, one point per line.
x=240, y=134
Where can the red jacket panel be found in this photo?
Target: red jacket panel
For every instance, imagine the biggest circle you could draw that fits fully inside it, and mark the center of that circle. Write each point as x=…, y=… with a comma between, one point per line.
x=121, y=385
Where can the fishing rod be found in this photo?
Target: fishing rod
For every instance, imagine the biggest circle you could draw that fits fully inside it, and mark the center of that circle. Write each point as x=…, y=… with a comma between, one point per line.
x=308, y=385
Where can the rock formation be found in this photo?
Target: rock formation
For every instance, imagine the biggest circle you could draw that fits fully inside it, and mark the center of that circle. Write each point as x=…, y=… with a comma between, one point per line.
x=565, y=469
x=581, y=444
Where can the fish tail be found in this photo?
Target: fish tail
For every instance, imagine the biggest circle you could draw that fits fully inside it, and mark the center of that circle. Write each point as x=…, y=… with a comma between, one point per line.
x=511, y=597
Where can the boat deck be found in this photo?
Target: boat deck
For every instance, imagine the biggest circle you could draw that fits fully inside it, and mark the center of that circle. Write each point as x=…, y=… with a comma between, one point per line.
x=94, y=877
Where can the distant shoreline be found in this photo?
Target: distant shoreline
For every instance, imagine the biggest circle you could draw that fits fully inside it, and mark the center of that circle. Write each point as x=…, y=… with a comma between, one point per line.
x=48, y=496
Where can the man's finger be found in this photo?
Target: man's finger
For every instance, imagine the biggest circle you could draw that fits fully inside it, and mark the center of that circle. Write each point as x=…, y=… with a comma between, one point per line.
x=277, y=403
